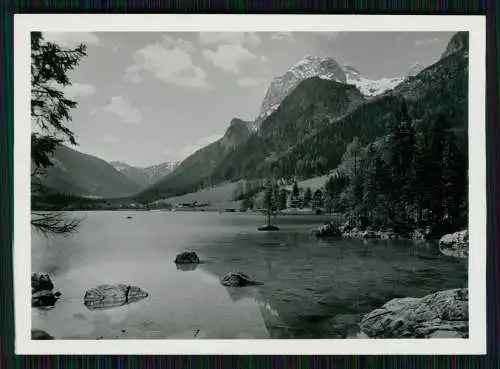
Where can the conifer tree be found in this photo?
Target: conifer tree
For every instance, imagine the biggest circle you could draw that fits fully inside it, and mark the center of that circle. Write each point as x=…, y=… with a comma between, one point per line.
x=50, y=112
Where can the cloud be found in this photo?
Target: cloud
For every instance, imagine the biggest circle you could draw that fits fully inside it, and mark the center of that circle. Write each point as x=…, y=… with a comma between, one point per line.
x=247, y=82
x=72, y=39
x=229, y=57
x=263, y=59
x=193, y=147
x=79, y=89
x=121, y=108
x=109, y=139
x=427, y=41
x=283, y=36
x=169, y=61
x=250, y=39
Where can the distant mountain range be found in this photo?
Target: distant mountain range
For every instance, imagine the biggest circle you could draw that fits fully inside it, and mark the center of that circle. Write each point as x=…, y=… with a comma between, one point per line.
x=308, y=116
x=312, y=111
x=145, y=176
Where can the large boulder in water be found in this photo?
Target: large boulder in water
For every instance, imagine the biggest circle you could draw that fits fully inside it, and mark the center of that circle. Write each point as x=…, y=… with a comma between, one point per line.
x=238, y=279
x=108, y=296
x=455, y=244
x=44, y=298
x=39, y=334
x=443, y=314
x=41, y=282
x=42, y=290
x=187, y=257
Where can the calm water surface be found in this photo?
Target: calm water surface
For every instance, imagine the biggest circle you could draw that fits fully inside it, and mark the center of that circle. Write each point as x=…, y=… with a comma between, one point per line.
x=312, y=288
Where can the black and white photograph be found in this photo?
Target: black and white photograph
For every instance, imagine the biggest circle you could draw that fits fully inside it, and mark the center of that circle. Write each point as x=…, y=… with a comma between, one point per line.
x=292, y=185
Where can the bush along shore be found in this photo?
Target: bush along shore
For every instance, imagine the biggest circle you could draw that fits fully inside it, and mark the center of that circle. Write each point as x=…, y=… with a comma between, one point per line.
x=448, y=242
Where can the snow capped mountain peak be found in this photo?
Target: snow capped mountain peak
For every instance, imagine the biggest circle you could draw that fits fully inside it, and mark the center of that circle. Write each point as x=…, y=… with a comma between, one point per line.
x=308, y=67
x=414, y=69
x=367, y=86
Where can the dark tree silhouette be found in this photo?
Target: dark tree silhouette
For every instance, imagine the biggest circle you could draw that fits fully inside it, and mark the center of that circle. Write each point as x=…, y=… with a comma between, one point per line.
x=50, y=111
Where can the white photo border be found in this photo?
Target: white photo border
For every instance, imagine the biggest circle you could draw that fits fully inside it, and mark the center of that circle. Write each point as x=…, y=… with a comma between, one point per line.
x=25, y=23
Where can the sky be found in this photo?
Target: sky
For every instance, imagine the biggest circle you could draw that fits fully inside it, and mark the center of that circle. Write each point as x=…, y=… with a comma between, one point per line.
x=146, y=98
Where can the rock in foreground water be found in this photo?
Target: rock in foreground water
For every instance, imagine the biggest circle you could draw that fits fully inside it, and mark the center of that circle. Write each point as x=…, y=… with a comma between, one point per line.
x=455, y=244
x=42, y=290
x=41, y=282
x=187, y=258
x=108, y=296
x=238, y=279
x=443, y=314
x=38, y=334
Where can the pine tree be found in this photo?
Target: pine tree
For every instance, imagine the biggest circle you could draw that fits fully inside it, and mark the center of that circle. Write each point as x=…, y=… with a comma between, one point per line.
x=318, y=199
x=307, y=197
x=283, y=197
x=454, y=180
x=50, y=110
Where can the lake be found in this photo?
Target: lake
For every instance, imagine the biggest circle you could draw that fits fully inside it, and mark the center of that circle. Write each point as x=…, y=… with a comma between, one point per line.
x=312, y=288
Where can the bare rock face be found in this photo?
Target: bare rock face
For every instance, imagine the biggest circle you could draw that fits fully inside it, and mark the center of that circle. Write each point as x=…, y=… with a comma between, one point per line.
x=455, y=244
x=443, y=314
x=38, y=334
x=108, y=296
x=459, y=42
x=308, y=67
x=187, y=257
x=238, y=279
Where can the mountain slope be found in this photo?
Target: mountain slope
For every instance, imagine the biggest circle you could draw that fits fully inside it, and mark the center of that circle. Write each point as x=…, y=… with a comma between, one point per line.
x=313, y=103
x=308, y=67
x=81, y=174
x=459, y=42
x=369, y=87
x=441, y=88
x=305, y=125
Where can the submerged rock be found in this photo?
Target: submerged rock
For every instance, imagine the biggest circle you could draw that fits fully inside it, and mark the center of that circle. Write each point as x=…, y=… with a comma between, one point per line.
x=238, y=279
x=268, y=228
x=41, y=282
x=327, y=230
x=44, y=298
x=186, y=267
x=108, y=296
x=187, y=258
x=443, y=314
x=455, y=244
x=38, y=334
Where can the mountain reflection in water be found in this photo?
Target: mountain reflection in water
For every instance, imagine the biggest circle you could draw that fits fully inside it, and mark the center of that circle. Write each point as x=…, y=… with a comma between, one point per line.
x=312, y=288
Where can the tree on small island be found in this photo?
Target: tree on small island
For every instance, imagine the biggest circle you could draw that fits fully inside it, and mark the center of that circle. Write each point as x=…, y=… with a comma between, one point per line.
x=271, y=206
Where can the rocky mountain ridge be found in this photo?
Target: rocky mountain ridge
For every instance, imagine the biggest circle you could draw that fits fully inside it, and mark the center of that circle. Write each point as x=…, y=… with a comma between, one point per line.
x=145, y=176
